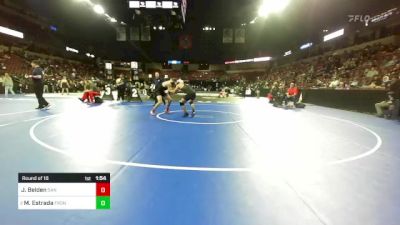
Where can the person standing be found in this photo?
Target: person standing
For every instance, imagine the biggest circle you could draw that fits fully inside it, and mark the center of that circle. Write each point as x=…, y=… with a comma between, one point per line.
x=37, y=81
x=190, y=95
x=162, y=92
x=8, y=84
x=157, y=82
x=120, y=82
x=64, y=85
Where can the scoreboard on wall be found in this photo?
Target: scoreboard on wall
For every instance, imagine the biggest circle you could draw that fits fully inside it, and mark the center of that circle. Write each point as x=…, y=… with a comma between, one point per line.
x=70, y=191
x=160, y=5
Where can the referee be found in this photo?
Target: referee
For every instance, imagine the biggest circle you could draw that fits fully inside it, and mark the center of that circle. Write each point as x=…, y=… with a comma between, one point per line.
x=37, y=81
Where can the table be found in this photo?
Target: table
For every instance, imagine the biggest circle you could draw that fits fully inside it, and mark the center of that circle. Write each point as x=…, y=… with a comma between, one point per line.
x=360, y=100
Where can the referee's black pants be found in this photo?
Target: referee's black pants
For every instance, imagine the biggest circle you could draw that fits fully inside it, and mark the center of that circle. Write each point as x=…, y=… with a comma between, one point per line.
x=38, y=88
x=121, y=92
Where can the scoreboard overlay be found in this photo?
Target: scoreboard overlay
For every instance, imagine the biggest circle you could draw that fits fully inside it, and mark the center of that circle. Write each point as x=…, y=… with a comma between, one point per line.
x=64, y=191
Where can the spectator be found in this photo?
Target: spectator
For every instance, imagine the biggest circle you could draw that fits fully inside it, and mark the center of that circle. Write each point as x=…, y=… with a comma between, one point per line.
x=291, y=94
x=64, y=84
x=335, y=83
x=371, y=72
x=8, y=84
x=120, y=83
x=393, y=94
x=392, y=62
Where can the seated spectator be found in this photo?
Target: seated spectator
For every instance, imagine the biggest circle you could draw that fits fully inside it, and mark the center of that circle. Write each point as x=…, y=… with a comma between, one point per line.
x=335, y=83
x=371, y=72
x=393, y=94
x=222, y=93
x=291, y=94
x=376, y=82
x=355, y=83
x=392, y=62
x=273, y=92
x=386, y=81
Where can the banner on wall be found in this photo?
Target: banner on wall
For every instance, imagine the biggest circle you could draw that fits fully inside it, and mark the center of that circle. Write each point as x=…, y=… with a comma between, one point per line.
x=121, y=34
x=227, y=36
x=240, y=36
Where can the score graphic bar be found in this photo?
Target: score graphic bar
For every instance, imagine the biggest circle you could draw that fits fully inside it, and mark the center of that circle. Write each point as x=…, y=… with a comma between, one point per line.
x=64, y=191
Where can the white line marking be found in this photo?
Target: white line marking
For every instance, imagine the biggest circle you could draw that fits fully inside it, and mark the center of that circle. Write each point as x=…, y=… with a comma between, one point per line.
x=28, y=120
x=365, y=154
x=141, y=165
x=14, y=113
x=200, y=123
x=205, y=169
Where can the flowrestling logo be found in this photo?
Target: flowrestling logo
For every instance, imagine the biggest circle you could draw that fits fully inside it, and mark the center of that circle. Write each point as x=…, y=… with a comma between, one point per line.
x=359, y=18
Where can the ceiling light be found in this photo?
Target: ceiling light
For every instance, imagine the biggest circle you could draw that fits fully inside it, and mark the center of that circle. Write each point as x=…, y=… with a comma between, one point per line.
x=272, y=6
x=98, y=9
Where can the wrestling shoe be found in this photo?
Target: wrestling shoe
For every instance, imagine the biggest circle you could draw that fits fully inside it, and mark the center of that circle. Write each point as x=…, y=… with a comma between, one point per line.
x=152, y=113
x=167, y=111
x=185, y=114
x=193, y=114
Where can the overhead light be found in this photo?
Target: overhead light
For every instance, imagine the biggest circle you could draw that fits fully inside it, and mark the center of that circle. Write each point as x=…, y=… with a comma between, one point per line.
x=11, y=32
x=262, y=59
x=87, y=1
x=213, y=28
x=272, y=6
x=98, y=9
x=259, y=59
x=154, y=28
x=68, y=49
x=123, y=23
x=240, y=61
x=253, y=21
x=113, y=20
x=306, y=46
x=160, y=27
x=174, y=62
x=90, y=55
x=333, y=35
x=288, y=53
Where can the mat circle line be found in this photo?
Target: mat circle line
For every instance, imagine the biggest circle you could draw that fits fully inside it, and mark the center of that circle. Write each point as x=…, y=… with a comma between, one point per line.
x=206, y=169
x=199, y=123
